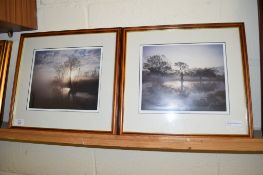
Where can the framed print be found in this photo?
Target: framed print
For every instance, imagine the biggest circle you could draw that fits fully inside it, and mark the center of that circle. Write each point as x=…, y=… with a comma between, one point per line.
x=5, y=53
x=67, y=80
x=186, y=80
x=183, y=85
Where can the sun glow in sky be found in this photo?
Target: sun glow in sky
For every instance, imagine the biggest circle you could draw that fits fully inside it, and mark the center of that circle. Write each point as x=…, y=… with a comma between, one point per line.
x=46, y=59
x=198, y=55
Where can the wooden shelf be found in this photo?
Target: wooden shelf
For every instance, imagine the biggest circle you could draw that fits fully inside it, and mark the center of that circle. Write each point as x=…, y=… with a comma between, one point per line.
x=17, y=15
x=167, y=143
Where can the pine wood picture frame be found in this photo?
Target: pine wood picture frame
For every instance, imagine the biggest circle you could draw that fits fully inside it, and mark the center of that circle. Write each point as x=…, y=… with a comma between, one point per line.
x=145, y=48
x=5, y=54
x=67, y=80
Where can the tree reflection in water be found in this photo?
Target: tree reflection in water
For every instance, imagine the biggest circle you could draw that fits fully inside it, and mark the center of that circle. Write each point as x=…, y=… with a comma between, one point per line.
x=195, y=96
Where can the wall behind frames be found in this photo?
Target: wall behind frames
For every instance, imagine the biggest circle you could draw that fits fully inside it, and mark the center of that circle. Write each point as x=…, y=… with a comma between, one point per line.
x=22, y=158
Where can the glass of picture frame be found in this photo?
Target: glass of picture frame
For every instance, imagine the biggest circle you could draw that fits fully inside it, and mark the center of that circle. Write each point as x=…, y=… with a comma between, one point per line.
x=67, y=80
x=185, y=80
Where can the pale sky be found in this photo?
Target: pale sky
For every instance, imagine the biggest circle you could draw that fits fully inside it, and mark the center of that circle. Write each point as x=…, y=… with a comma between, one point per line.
x=199, y=55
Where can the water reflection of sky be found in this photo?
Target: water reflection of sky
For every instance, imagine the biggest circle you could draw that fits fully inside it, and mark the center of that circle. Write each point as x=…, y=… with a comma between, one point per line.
x=198, y=55
x=195, y=96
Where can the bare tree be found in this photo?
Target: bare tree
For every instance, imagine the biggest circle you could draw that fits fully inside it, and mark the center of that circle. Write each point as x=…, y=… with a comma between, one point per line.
x=205, y=72
x=72, y=63
x=60, y=70
x=157, y=64
x=181, y=68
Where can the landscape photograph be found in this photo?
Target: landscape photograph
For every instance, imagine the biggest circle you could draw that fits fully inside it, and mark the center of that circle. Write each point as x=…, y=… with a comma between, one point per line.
x=184, y=78
x=65, y=79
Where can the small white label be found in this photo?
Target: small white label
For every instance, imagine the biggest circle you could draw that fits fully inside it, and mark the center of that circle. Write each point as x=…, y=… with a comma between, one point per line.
x=19, y=122
x=235, y=123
